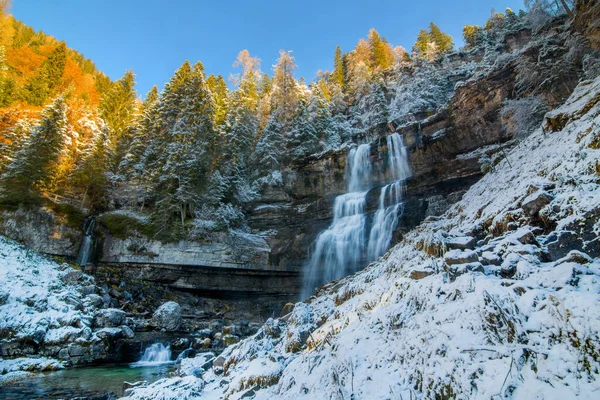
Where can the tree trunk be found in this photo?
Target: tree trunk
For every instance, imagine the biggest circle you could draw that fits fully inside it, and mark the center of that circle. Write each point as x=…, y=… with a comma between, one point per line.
x=567, y=9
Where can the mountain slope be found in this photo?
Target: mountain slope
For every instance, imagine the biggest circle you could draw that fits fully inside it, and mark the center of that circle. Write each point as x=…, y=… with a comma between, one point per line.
x=496, y=298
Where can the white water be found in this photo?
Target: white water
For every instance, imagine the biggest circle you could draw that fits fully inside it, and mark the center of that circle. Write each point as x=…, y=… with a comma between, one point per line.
x=156, y=354
x=346, y=245
x=359, y=160
x=85, y=251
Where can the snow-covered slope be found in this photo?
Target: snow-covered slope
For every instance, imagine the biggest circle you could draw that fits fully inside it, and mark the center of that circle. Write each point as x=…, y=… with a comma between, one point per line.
x=36, y=300
x=489, y=301
x=46, y=309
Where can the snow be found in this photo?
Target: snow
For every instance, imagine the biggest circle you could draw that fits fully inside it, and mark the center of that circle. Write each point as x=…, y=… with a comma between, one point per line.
x=39, y=304
x=19, y=368
x=529, y=328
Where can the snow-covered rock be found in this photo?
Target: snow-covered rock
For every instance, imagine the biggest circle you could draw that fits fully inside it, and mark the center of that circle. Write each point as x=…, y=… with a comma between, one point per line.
x=47, y=309
x=167, y=316
x=526, y=328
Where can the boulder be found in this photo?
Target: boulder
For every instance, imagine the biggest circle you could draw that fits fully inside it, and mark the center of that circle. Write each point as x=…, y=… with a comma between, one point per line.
x=94, y=300
x=419, y=274
x=454, y=257
x=489, y=258
x=127, y=332
x=461, y=243
x=168, y=317
x=109, y=318
x=533, y=203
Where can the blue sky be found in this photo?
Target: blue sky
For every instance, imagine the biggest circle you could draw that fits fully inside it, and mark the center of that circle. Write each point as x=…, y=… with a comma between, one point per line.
x=154, y=37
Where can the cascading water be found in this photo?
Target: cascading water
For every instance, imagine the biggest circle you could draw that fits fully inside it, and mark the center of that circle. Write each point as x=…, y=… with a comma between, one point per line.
x=87, y=245
x=341, y=248
x=156, y=354
x=385, y=220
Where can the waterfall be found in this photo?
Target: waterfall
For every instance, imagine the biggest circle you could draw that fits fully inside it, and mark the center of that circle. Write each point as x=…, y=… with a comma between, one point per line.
x=360, y=167
x=156, y=354
x=87, y=245
x=347, y=244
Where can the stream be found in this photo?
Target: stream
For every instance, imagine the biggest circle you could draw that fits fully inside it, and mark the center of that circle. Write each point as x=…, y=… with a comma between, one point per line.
x=97, y=382
x=101, y=382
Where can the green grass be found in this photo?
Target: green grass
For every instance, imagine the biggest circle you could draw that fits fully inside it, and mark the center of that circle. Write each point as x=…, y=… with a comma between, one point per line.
x=122, y=226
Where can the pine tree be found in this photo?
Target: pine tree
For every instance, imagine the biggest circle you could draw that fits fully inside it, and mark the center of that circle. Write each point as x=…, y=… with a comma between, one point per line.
x=91, y=170
x=119, y=110
x=374, y=107
x=33, y=166
x=284, y=93
x=187, y=117
x=42, y=85
x=220, y=93
x=433, y=43
x=382, y=53
x=423, y=39
x=269, y=149
x=302, y=139
x=338, y=76
x=442, y=40
x=319, y=112
x=472, y=35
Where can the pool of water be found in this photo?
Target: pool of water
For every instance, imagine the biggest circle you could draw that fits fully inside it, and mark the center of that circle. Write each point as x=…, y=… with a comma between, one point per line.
x=102, y=382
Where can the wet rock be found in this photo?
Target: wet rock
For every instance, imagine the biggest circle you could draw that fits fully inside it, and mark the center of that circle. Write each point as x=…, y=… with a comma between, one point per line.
x=127, y=332
x=63, y=354
x=180, y=344
x=76, y=350
x=461, y=243
x=167, y=317
x=109, y=317
x=454, y=257
x=533, y=203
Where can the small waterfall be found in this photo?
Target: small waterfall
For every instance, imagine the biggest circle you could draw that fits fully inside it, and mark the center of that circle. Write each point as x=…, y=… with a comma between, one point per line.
x=87, y=245
x=346, y=244
x=156, y=354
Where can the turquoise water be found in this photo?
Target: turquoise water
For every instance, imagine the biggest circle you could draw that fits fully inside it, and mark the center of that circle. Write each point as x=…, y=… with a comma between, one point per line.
x=102, y=382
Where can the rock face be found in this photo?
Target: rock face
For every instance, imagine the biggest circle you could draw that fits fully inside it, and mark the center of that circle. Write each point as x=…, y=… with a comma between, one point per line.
x=42, y=230
x=168, y=317
x=587, y=21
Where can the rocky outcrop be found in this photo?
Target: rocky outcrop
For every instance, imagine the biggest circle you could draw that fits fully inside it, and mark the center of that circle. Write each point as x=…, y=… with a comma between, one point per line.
x=41, y=229
x=168, y=317
x=587, y=21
